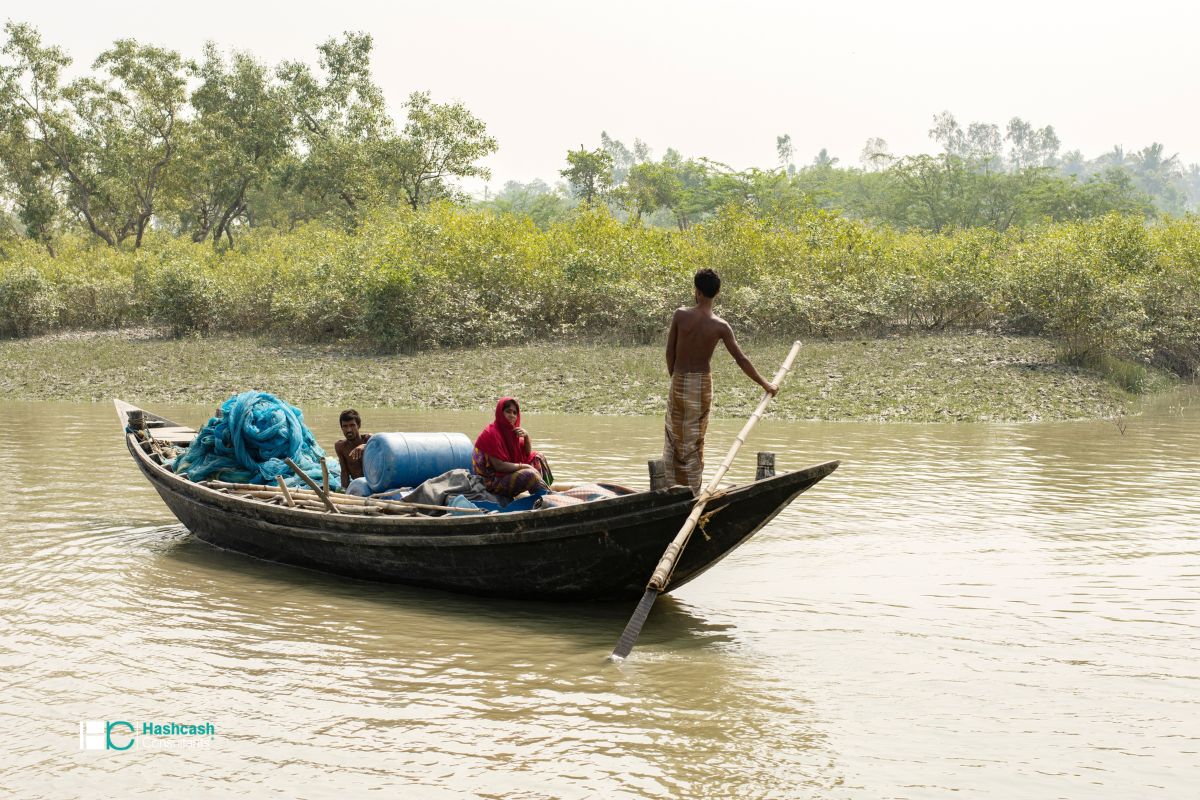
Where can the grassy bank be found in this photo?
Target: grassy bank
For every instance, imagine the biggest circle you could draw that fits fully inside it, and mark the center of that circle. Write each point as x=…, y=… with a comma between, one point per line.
x=946, y=377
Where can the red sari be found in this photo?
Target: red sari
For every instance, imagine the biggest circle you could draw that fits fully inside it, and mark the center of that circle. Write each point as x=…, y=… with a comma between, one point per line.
x=499, y=440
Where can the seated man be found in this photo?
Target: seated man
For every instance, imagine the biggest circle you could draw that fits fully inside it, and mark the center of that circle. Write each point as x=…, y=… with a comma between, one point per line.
x=350, y=450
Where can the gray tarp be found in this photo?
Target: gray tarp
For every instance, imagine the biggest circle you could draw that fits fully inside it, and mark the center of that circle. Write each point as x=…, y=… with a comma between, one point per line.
x=456, y=481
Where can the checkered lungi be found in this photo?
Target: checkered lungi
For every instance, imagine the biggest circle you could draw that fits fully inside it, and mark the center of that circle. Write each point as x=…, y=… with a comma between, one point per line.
x=687, y=422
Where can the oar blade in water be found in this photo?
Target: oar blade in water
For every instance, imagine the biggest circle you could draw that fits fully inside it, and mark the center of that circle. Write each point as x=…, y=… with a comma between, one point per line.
x=634, y=627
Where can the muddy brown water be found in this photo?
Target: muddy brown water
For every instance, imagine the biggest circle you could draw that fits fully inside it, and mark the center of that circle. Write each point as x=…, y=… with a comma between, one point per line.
x=993, y=611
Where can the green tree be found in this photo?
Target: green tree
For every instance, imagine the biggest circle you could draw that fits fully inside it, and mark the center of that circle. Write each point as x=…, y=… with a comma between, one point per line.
x=105, y=143
x=440, y=141
x=695, y=197
x=589, y=172
x=31, y=110
x=1072, y=163
x=139, y=110
x=623, y=158
x=949, y=134
x=933, y=192
x=342, y=125
x=535, y=200
x=786, y=153
x=1160, y=176
x=984, y=147
x=1067, y=198
x=1031, y=147
x=241, y=134
x=649, y=187
x=823, y=159
x=875, y=155
x=32, y=188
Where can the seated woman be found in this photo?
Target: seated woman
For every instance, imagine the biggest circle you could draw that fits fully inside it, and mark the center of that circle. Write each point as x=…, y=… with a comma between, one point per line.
x=505, y=460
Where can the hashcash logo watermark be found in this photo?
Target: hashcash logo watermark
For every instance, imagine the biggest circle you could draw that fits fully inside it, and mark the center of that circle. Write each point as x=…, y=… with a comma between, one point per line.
x=121, y=735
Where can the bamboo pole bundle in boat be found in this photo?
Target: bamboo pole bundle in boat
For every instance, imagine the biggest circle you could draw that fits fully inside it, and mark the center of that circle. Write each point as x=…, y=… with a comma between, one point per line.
x=339, y=499
x=305, y=502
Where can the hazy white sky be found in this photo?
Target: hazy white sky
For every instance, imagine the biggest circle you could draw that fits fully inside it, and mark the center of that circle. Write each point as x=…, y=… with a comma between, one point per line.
x=721, y=79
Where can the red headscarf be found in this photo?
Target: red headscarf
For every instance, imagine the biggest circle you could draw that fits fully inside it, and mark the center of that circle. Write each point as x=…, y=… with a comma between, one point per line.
x=499, y=440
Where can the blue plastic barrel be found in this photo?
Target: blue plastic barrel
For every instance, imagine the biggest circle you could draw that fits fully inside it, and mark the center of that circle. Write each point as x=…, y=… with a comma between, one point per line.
x=392, y=460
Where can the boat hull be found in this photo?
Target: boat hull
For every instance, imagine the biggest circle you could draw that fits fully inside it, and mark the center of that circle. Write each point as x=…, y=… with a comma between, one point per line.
x=603, y=550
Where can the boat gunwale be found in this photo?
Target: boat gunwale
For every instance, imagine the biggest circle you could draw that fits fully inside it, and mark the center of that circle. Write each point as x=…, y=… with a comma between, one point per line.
x=564, y=522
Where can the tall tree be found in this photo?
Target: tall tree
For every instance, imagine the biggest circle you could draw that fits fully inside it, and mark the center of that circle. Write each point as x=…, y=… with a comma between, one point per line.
x=1072, y=163
x=1031, y=147
x=875, y=155
x=1113, y=158
x=242, y=132
x=695, y=197
x=589, y=172
x=984, y=147
x=786, y=153
x=936, y=190
x=623, y=158
x=649, y=187
x=823, y=159
x=439, y=141
x=106, y=142
x=949, y=134
x=134, y=119
x=1160, y=176
x=32, y=110
x=341, y=121
x=31, y=186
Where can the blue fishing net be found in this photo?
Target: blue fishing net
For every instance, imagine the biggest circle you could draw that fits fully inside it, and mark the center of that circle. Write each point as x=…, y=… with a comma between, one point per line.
x=247, y=441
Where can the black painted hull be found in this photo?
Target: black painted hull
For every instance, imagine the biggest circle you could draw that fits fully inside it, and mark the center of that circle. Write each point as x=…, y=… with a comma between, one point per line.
x=603, y=550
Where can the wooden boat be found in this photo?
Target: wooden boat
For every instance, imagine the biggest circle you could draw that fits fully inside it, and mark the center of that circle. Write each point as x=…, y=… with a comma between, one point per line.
x=602, y=550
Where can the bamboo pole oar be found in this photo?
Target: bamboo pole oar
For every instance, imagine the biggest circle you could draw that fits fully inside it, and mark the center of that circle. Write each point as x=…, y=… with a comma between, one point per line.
x=312, y=485
x=666, y=564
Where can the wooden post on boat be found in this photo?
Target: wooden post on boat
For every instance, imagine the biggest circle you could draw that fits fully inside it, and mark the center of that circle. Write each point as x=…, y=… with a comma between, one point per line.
x=312, y=485
x=666, y=565
x=137, y=419
x=324, y=476
x=658, y=474
x=286, y=494
x=766, y=466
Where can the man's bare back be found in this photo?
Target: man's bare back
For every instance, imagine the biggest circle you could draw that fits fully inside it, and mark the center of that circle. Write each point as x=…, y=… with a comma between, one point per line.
x=694, y=335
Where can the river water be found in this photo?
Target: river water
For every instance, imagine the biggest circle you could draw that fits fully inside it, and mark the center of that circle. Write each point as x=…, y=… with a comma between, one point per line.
x=999, y=611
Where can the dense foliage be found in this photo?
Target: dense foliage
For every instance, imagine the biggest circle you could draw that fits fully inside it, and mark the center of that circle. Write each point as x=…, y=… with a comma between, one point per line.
x=209, y=148
x=978, y=178
x=224, y=194
x=446, y=276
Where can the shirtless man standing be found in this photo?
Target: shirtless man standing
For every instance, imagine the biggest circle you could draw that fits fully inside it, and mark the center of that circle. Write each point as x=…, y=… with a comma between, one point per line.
x=694, y=335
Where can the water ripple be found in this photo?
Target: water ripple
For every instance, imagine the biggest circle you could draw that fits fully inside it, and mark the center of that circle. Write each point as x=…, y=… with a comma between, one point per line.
x=989, y=611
